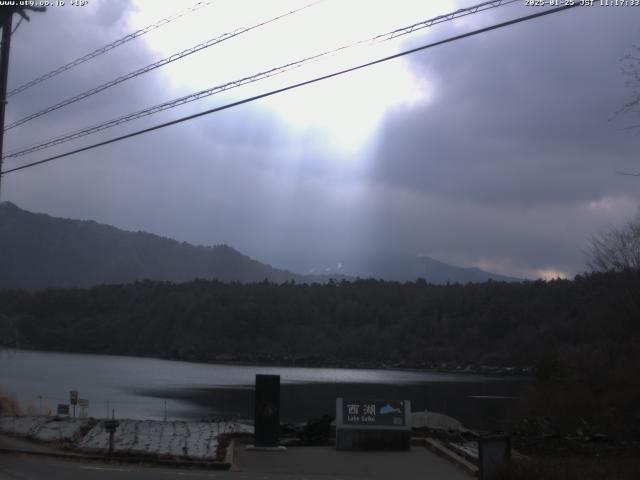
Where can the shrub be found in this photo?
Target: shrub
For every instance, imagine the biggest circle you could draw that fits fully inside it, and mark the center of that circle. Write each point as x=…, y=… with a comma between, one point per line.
x=8, y=405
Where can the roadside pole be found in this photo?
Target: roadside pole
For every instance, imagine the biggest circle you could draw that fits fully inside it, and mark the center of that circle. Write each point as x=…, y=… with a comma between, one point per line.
x=4, y=75
x=110, y=426
x=7, y=20
x=73, y=400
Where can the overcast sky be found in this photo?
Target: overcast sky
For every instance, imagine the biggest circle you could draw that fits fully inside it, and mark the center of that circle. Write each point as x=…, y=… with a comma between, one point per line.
x=497, y=151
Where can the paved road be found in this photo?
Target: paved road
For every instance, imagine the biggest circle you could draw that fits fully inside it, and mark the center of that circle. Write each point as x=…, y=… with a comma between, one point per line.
x=30, y=467
x=326, y=462
x=270, y=466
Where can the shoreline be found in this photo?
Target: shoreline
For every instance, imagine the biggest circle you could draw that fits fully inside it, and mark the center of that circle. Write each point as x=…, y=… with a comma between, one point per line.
x=482, y=405
x=502, y=372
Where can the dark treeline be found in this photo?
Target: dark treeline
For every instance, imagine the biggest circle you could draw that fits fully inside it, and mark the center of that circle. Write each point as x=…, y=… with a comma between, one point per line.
x=366, y=321
x=583, y=333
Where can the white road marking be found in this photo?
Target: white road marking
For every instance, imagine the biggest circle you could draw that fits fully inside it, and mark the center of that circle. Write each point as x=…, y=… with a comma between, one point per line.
x=105, y=468
x=188, y=474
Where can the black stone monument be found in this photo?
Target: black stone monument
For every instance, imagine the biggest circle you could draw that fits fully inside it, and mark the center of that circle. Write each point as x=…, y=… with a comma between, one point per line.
x=267, y=411
x=494, y=452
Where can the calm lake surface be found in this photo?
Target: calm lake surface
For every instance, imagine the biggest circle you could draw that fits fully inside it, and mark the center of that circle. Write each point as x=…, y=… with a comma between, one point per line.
x=143, y=387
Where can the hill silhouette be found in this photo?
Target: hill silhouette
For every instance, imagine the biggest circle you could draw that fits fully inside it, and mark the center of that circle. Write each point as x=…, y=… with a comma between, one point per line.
x=398, y=268
x=40, y=251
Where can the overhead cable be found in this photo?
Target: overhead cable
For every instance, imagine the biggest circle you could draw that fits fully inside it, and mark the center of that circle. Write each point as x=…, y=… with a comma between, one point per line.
x=110, y=46
x=294, y=86
x=160, y=63
x=250, y=79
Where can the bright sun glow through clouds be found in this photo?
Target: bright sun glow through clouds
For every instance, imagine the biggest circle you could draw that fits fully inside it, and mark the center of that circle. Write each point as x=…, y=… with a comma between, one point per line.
x=344, y=110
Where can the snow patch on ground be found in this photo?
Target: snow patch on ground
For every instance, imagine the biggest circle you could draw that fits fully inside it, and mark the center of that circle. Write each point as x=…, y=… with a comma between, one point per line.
x=468, y=448
x=436, y=421
x=46, y=429
x=195, y=440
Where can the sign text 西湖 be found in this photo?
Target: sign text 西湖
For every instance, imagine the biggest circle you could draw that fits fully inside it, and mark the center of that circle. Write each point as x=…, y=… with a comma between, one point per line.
x=373, y=412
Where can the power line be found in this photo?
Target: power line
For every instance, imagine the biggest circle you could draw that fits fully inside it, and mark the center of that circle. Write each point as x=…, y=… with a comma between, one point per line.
x=111, y=46
x=252, y=78
x=461, y=12
x=297, y=85
x=160, y=63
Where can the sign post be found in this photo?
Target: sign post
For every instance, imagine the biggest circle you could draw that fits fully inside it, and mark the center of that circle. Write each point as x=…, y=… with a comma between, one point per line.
x=110, y=426
x=73, y=400
x=366, y=423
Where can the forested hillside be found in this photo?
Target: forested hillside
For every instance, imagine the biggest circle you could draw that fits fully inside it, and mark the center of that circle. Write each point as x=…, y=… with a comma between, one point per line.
x=40, y=251
x=366, y=321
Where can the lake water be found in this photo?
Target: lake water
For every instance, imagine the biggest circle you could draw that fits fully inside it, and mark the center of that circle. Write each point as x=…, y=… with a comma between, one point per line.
x=145, y=387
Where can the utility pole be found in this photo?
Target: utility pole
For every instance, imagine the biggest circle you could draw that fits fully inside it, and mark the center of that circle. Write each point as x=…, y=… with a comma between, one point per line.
x=6, y=17
x=4, y=74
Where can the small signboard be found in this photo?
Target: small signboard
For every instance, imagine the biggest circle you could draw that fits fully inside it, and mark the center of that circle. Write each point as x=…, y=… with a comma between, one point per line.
x=373, y=412
x=111, y=425
x=83, y=402
x=73, y=397
x=63, y=409
x=369, y=423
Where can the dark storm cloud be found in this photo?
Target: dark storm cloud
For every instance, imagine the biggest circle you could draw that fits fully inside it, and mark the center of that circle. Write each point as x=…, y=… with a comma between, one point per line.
x=518, y=117
x=513, y=159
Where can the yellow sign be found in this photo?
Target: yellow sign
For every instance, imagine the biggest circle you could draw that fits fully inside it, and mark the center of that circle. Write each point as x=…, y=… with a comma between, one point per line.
x=73, y=397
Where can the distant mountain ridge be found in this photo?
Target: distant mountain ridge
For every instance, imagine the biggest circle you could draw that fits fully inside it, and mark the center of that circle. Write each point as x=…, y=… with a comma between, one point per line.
x=39, y=251
x=405, y=268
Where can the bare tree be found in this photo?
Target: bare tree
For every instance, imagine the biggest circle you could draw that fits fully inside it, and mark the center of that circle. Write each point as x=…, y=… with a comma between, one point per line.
x=617, y=249
x=631, y=69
